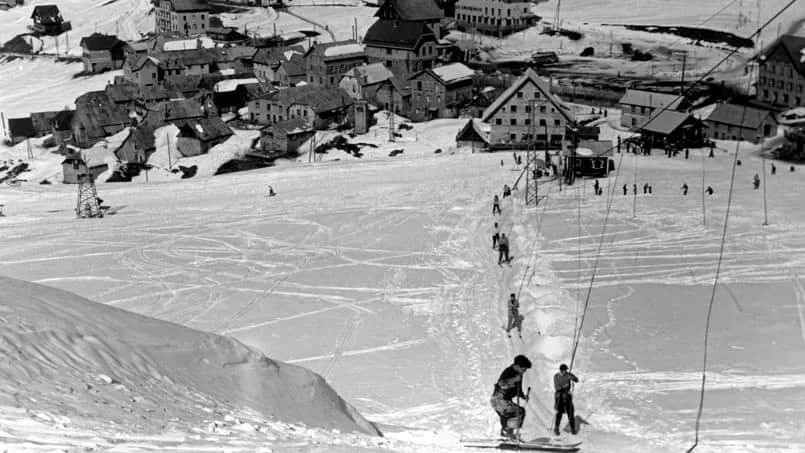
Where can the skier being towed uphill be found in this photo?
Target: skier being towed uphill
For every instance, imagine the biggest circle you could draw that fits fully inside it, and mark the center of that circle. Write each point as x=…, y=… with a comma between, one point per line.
x=508, y=387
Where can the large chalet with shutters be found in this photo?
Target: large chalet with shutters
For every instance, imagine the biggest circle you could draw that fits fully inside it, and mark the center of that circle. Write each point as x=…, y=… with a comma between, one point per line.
x=781, y=72
x=527, y=114
x=405, y=36
x=187, y=17
x=326, y=63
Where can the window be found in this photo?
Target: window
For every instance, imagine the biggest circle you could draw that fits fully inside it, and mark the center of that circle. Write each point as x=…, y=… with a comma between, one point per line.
x=528, y=108
x=513, y=122
x=498, y=121
x=388, y=51
x=512, y=137
x=557, y=123
x=519, y=95
x=513, y=109
x=799, y=100
x=419, y=85
x=528, y=121
x=542, y=122
x=542, y=109
x=785, y=98
x=304, y=112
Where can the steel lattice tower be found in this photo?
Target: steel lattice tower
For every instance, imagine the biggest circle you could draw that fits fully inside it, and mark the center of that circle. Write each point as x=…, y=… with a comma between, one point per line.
x=531, y=166
x=87, y=205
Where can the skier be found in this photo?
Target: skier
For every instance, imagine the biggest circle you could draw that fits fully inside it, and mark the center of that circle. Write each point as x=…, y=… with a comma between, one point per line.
x=756, y=181
x=791, y=169
x=645, y=188
x=773, y=169
x=596, y=186
x=507, y=192
x=650, y=189
x=684, y=188
x=625, y=189
x=563, y=398
x=496, y=205
x=710, y=190
x=515, y=318
x=503, y=249
x=634, y=188
x=687, y=153
x=495, y=237
x=711, y=155
x=271, y=192
x=508, y=387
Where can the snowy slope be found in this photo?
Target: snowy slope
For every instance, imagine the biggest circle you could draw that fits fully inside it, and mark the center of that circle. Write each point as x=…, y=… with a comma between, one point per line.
x=71, y=363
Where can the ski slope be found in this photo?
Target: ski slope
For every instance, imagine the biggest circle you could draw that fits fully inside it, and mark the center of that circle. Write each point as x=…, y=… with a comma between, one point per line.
x=380, y=276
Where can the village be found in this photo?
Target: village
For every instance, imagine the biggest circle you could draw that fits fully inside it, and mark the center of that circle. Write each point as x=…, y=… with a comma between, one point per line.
x=276, y=95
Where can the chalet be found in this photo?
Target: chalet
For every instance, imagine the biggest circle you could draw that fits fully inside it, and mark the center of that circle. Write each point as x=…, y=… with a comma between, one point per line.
x=143, y=70
x=198, y=135
x=284, y=137
x=279, y=66
x=392, y=94
x=362, y=82
x=638, y=106
x=231, y=94
x=96, y=117
x=318, y=106
x=496, y=17
x=138, y=146
x=440, y=92
x=326, y=63
x=174, y=111
x=672, y=130
x=189, y=17
x=781, y=72
x=405, y=47
x=102, y=52
x=737, y=122
x=123, y=94
x=157, y=68
x=61, y=126
x=474, y=134
x=74, y=167
x=20, y=129
x=528, y=114
x=48, y=20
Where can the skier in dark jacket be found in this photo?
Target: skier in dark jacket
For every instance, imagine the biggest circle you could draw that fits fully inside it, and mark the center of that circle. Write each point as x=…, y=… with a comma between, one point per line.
x=508, y=387
x=563, y=398
x=515, y=319
x=503, y=249
x=495, y=205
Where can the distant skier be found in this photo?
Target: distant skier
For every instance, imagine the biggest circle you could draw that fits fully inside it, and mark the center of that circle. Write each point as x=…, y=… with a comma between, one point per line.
x=773, y=169
x=495, y=236
x=563, y=398
x=625, y=190
x=712, y=154
x=508, y=387
x=271, y=192
x=596, y=186
x=503, y=249
x=645, y=189
x=684, y=188
x=791, y=169
x=495, y=205
x=650, y=189
x=710, y=190
x=634, y=188
x=756, y=181
x=515, y=319
x=507, y=191
x=687, y=153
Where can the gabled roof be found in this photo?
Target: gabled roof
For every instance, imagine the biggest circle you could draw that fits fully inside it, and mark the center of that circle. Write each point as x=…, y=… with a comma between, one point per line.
x=453, y=73
x=424, y=10
x=320, y=99
x=529, y=77
x=794, y=45
x=189, y=5
x=474, y=129
x=173, y=110
x=98, y=41
x=290, y=126
x=665, y=122
x=21, y=127
x=295, y=66
x=650, y=99
x=45, y=12
x=205, y=129
x=337, y=50
x=371, y=74
x=593, y=148
x=122, y=92
x=98, y=108
x=398, y=34
x=734, y=114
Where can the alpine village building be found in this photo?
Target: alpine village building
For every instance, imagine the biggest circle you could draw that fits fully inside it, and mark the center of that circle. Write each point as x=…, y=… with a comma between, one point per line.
x=527, y=114
x=781, y=73
x=326, y=63
x=638, y=106
x=405, y=36
x=187, y=17
x=102, y=52
x=440, y=92
x=496, y=17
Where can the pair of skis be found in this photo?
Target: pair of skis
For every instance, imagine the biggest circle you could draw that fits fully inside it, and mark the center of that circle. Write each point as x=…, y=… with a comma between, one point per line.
x=539, y=444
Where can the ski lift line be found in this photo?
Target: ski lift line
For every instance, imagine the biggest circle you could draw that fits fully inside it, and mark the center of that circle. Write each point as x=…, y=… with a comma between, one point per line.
x=715, y=282
x=610, y=201
x=649, y=121
x=531, y=254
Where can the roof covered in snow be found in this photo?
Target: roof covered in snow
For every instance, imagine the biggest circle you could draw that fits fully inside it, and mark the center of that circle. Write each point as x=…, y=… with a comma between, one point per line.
x=397, y=34
x=187, y=6
x=290, y=126
x=205, y=129
x=189, y=44
x=346, y=49
x=232, y=84
x=666, y=122
x=416, y=10
x=739, y=115
x=337, y=50
x=454, y=72
x=371, y=74
x=650, y=99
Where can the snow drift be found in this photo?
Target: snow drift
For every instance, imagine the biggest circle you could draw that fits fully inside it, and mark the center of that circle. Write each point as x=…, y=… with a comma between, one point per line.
x=68, y=356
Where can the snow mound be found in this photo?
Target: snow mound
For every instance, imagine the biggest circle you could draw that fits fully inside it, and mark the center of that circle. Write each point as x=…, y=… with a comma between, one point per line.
x=67, y=359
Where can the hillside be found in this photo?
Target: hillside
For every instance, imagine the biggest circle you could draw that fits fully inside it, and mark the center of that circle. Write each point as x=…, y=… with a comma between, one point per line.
x=72, y=364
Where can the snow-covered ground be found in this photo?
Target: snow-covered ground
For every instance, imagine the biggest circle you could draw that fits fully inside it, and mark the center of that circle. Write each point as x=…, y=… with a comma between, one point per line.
x=379, y=275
